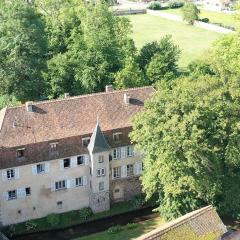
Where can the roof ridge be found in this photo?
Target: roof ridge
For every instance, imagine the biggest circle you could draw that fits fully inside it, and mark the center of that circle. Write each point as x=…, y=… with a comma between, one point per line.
x=83, y=96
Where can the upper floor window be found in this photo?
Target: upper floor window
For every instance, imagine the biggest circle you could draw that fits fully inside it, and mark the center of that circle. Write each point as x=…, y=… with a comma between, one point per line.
x=100, y=159
x=66, y=163
x=60, y=185
x=101, y=186
x=117, y=172
x=80, y=160
x=12, y=194
x=130, y=152
x=28, y=191
x=117, y=137
x=130, y=170
x=53, y=146
x=85, y=141
x=20, y=153
x=10, y=174
x=100, y=172
x=116, y=153
x=40, y=168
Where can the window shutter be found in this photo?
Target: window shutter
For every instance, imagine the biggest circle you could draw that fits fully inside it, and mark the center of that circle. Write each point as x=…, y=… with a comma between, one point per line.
x=112, y=173
x=73, y=162
x=86, y=159
x=5, y=196
x=135, y=169
x=34, y=170
x=4, y=175
x=21, y=193
x=140, y=168
x=17, y=173
x=84, y=180
x=124, y=171
x=52, y=187
x=61, y=165
x=123, y=152
x=47, y=167
x=68, y=183
x=73, y=183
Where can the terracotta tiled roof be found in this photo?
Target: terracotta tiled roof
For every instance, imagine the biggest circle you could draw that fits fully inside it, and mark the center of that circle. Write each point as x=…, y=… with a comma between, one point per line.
x=74, y=116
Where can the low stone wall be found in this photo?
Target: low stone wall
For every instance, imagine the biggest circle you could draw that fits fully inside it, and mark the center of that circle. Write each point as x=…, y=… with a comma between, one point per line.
x=129, y=187
x=197, y=225
x=129, y=12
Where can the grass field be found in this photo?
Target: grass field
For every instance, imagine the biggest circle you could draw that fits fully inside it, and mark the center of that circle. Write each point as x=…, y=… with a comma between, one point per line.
x=126, y=233
x=192, y=41
x=214, y=17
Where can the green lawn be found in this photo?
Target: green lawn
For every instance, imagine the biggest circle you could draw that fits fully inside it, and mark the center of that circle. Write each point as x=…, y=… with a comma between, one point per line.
x=192, y=41
x=126, y=233
x=214, y=17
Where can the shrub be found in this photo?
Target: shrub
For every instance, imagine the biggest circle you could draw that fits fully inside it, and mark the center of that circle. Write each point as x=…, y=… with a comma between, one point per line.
x=53, y=219
x=175, y=4
x=206, y=20
x=131, y=225
x=11, y=230
x=138, y=201
x=115, y=229
x=190, y=13
x=85, y=213
x=30, y=225
x=154, y=6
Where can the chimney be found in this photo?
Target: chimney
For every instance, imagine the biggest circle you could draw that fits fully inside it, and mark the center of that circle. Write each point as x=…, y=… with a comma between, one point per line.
x=66, y=95
x=109, y=88
x=29, y=106
x=126, y=99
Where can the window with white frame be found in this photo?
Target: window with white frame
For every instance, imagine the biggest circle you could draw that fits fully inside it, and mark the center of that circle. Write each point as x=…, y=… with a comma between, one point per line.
x=130, y=152
x=79, y=181
x=101, y=186
x=117, y=172
x=12, y=194
x=81, y=160
x=100, y=159
x=117, y=137
x=10, y=174
x=85, y=141
x=53, y=147
x=116, y=153
x=60, y=185
x=40, y=168
x=66, y=163
x=130, y=170
x=100, y=172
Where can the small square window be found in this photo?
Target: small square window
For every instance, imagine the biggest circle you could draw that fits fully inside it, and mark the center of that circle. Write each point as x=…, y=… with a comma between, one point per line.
x=40, y=168
x=100, y=159
x=80, y=160
x=28, y=191
x=117, y=137
x=66, y=163
x=53, y=146
x=85, y=141
x=59, y=204
x=20, y=153
x=101, y=186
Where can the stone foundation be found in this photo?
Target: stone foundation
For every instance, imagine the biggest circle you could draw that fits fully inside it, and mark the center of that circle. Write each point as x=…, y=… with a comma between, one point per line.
x=100, y=201
x=124, y=189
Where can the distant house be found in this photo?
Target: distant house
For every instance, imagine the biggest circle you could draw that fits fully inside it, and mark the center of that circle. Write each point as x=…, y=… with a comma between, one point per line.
x=215, y=5
x=202, y=224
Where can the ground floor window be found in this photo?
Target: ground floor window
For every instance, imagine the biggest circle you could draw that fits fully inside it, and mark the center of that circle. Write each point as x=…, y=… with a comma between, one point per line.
x=79, y=181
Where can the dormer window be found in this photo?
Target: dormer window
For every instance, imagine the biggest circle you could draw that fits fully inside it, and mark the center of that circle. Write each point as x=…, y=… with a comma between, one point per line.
x=20, y=153
x=53, y=146
x=85, y=141
x=117, y=137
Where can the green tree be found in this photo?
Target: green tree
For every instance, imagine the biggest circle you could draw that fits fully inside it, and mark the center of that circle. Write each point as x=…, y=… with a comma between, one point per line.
x=129, y=76
x=190, y=13
x=189, y=134
x=23, y=50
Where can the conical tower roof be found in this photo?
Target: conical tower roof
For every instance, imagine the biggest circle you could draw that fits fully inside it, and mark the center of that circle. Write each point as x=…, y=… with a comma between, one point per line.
x=98, y=142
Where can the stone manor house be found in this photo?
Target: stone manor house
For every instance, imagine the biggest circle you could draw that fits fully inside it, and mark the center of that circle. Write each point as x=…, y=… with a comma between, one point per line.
x=63, y=155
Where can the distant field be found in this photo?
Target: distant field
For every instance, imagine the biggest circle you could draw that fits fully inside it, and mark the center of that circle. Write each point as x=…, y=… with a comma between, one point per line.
x=214, y=17
x=192, y=41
